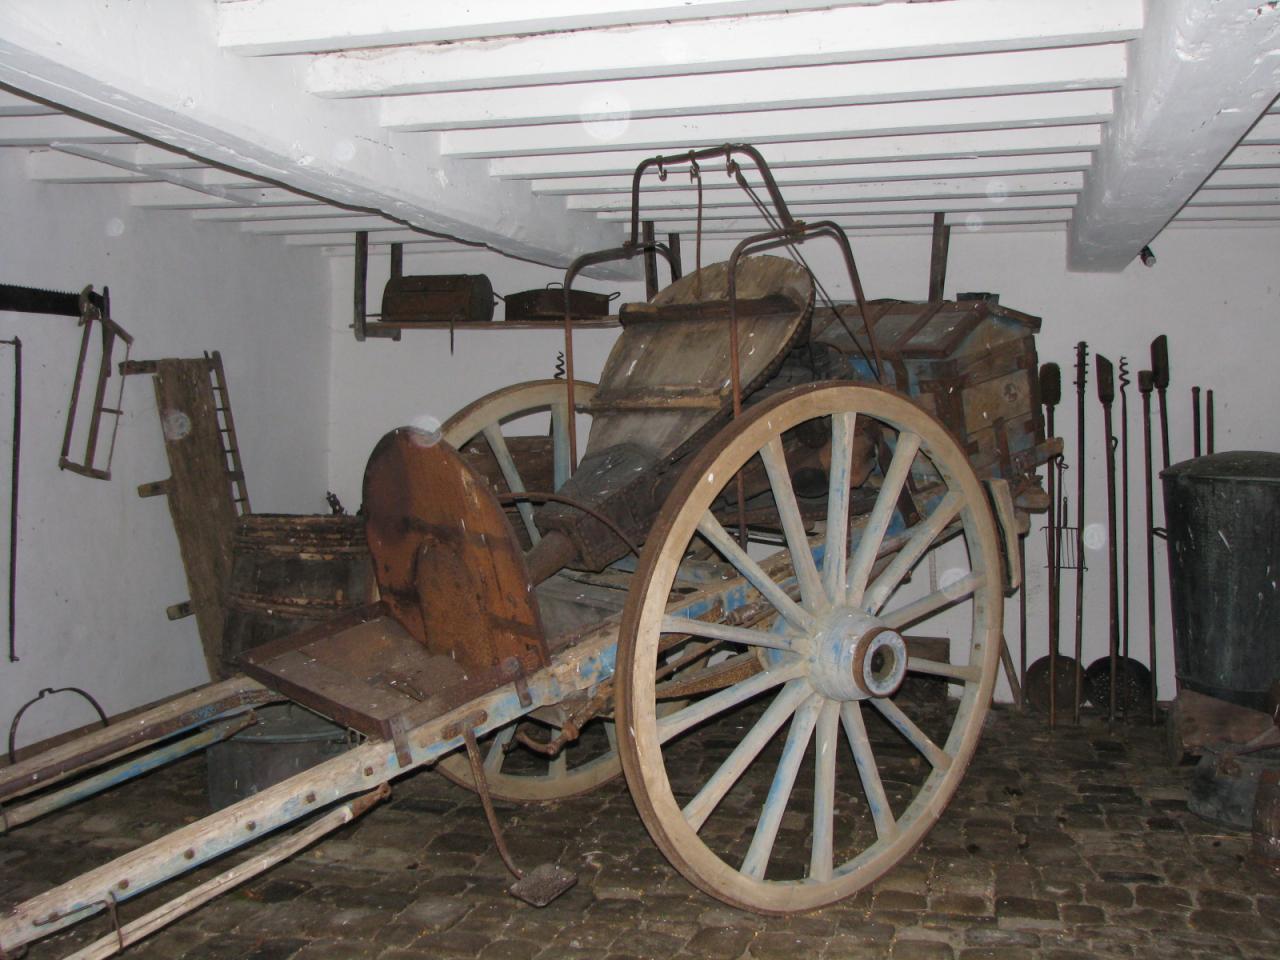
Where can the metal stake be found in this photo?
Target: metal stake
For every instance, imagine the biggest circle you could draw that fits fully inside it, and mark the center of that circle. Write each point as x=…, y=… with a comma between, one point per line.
x=1082, y=374
x=1145, y=383
x=1051, y=395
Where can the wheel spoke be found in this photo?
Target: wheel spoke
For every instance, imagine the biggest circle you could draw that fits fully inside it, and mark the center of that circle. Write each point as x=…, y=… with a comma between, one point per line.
x=497, y=749
x=498, y=444
x=681, y=720
x=784, y=778
x=938, y=600
x=855, y=732
x=559, y=765
x=952, y=671
x=784, y=497
x=921, y=538
x=824, y=792
x=748, y=748
x=907, y=727
x=835, y=558
x=887, y=501
x=792, y=612
x=560, y=424
x=723, y=631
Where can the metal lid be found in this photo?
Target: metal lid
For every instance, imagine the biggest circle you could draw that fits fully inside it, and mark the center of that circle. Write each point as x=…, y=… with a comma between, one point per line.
x=1249, y=466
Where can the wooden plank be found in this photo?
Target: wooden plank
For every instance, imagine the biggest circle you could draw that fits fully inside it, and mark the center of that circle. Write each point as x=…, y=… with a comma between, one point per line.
x=200, y=494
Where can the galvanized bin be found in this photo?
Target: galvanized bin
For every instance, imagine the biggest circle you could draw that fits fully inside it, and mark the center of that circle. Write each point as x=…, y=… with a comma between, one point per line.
x=1223, y=516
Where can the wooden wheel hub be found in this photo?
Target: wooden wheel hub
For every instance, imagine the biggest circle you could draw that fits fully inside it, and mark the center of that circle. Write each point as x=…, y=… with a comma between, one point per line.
x=855, y=656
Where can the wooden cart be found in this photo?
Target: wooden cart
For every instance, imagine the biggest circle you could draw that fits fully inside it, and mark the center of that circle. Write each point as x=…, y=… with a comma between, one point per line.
x=724, y=583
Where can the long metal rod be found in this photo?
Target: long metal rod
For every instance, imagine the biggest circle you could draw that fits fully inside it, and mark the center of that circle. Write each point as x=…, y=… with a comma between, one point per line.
x=1054, y=577
x=15, y=462
x=1208, y=421
x=1144, y=388
x=1082, y=370
x=1195, y=422
x=1124, y=381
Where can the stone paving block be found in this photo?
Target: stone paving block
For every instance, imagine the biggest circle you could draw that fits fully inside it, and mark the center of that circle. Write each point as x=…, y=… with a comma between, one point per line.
x=1026, y=908
x=720, y=942
x=1215, y=899
x=921, y=950
x=1163, y=897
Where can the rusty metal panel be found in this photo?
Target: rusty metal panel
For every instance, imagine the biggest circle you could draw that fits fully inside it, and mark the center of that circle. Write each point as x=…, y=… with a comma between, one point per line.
x=448, y=565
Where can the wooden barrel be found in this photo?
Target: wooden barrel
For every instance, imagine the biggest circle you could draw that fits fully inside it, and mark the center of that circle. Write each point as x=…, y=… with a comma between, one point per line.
x=289, y=572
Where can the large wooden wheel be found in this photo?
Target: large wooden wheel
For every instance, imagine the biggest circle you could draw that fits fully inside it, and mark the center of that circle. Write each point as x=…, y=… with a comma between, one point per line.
x=855, y=778
x=515, y=772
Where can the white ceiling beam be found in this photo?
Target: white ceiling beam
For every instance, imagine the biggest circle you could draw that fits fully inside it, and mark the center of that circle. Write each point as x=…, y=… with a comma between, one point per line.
x=170, y=196
x=1245, y=155
x=339, y=223
x=252, y=115
x=1203, y=73
x=995, y=187
x=377, y=240
x=935, y=78
x=830, y=123
x=54, y=166
x=1259, y=197
x=1237, y=178
x=12, y=105
x=828, y=209
x=840, y=35
x=222, y=184
x=292, y=212
x=787, y=177
x=40, y=131
x=963, y=219
x=975, y=143
x=268, y=27
x=1191, y=213
x=1265, y=131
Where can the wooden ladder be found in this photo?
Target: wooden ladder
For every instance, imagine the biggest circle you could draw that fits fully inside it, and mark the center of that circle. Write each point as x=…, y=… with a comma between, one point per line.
x=227, y=431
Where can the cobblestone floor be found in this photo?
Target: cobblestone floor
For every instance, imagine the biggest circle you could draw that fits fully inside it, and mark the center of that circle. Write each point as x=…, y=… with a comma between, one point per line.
x=1074, y=844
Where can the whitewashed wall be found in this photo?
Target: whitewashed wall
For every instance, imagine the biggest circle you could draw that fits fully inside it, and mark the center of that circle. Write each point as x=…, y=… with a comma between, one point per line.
x=97, y=565
x=1213, y=291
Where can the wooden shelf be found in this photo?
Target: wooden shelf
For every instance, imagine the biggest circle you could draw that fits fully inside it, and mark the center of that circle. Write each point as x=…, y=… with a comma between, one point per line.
x=592, y=323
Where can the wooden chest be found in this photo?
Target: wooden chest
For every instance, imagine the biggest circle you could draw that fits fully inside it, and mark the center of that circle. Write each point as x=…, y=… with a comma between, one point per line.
x=971, y=363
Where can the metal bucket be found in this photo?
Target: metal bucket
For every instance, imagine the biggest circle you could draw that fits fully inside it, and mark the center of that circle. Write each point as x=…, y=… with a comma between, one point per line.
x=289, y=572
x=287, y=739
x=1223, y=516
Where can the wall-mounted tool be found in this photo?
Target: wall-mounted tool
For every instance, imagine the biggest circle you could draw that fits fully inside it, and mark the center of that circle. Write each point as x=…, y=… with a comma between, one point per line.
x=1107, y=396
x=1051, y=396
x=1123, y=380
x=15, y=461
x=1146, y=381
x=1114, y=681
x=91, y=308
x=1160, y=377
x=1082, y=375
